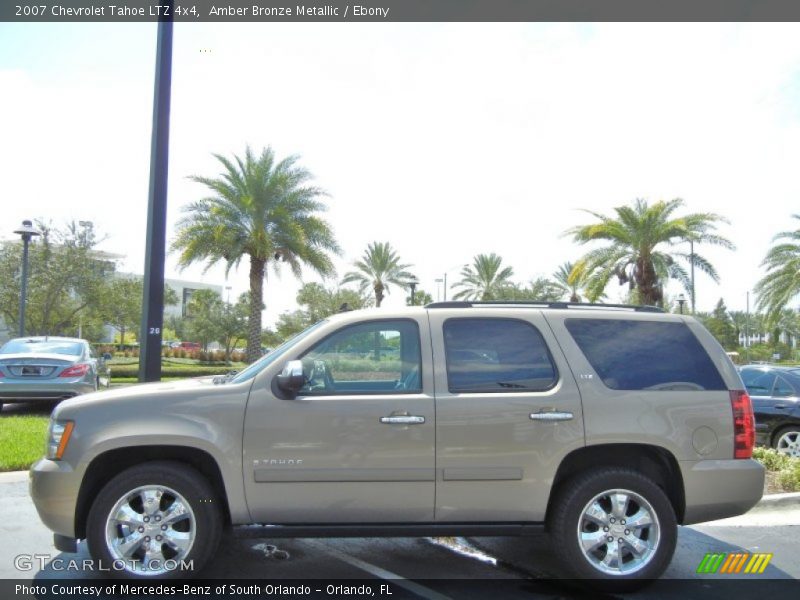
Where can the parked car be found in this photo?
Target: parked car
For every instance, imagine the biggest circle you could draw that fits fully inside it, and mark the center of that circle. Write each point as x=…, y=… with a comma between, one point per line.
x=775, y=392
x=49, y=368
x=605, y=426
x=190, y=346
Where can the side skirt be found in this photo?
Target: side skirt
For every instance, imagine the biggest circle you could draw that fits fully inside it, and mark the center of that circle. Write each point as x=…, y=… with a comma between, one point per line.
x=302, y=530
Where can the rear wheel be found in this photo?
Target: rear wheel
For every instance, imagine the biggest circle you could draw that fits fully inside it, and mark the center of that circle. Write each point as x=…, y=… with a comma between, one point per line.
x=157, y=519
x=614, y=526
x=787, y=441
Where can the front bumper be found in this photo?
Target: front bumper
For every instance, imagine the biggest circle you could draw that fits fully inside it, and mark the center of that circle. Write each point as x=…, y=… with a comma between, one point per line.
x=54, y=488
x=717, y=489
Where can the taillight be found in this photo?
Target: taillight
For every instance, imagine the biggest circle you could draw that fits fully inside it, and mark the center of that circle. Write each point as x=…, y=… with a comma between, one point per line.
x=744, y=424
x=75, y=371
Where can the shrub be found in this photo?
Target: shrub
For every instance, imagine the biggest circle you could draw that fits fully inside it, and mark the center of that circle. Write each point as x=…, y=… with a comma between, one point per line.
x=772, y=459
x=789, y=478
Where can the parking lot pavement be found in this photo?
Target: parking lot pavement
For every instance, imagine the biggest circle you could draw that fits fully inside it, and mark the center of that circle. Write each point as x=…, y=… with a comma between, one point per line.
x=20, y=528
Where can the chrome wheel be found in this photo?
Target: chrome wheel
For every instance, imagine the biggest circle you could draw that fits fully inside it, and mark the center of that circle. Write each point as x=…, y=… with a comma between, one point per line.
x=789, y=443
x=149, y=530
x=618, y=532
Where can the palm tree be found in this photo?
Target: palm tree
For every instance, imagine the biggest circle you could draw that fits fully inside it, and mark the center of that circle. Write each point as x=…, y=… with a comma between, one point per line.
x=640, y=251
x=569, y=281
x=484, y=279
x=782, y=281
x=379, y=268
x=264, y=209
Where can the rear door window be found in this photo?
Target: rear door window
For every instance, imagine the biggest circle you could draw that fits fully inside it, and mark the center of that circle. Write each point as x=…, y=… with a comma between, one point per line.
x=496, y=355
x=645, y=355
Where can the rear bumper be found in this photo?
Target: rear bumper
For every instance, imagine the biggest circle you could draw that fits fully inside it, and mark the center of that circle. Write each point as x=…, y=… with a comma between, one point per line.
x=33, y=391
x=716, y=489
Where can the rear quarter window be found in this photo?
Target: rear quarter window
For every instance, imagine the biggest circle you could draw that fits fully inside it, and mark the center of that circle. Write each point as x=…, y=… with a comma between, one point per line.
x=645, y=355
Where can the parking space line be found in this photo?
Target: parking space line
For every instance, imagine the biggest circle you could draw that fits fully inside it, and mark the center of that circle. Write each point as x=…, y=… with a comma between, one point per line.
x=419, y=590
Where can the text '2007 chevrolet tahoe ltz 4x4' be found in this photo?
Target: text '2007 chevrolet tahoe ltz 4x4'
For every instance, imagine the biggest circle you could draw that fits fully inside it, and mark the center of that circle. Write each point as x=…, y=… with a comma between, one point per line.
x=606, y=425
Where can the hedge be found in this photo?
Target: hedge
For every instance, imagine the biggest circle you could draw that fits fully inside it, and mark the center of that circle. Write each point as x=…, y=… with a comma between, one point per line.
x=118, y=372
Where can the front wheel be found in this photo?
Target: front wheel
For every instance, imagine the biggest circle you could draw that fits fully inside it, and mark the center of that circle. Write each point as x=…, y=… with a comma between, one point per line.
x=614, y=526
x=157, y=519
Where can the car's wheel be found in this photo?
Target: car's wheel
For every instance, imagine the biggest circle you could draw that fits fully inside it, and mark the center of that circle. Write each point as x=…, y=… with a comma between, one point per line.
x=1, y=406
x=787, y=441
x=157, y=519
x=614, y=526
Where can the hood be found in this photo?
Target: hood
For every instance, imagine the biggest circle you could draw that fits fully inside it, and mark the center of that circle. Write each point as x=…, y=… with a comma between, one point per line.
x=164, y=389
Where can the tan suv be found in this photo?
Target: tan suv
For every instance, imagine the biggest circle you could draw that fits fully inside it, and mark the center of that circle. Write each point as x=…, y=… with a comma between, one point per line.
x=606, y=425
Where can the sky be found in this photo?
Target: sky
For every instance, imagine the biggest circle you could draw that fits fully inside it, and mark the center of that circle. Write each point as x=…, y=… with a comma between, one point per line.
x=446, y=140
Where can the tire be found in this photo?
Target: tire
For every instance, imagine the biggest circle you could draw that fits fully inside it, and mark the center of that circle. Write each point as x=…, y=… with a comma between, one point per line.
x=787, y=440
x=183, y=527
x=583, y=509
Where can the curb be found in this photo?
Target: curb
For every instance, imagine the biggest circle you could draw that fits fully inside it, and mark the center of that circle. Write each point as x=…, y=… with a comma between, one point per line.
x=777, y=502
x=13, y=476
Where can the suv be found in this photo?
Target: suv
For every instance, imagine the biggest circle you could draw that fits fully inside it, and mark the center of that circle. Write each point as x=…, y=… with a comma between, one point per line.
x=606, y=425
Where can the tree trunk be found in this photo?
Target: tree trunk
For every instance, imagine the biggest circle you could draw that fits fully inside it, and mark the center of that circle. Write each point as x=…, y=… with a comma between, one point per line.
x=378, y=294
x=122, y=338
x=257, y=266
x=647, y=282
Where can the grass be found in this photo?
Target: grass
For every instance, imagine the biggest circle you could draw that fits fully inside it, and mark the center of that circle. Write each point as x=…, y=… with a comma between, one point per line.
x=22, y=439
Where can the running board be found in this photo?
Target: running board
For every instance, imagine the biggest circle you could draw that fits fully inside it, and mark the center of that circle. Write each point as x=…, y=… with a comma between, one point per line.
x=389, y=530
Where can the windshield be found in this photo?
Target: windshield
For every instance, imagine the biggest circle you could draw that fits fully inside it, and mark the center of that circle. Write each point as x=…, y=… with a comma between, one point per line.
x=270, y=357
x=42, y=347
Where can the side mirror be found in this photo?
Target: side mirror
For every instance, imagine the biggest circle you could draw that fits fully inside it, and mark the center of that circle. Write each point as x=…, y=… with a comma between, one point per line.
x=292, y=378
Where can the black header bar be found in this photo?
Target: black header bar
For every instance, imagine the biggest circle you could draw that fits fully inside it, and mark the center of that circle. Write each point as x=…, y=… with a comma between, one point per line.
x=242, y=11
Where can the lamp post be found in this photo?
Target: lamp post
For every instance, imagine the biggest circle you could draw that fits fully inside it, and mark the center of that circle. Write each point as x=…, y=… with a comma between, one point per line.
x=681, y=302
x=413, y=285
x=27, y=232
x=439, y=280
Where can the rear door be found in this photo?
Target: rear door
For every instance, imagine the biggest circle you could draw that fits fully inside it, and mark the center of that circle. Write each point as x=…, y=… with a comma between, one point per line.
x=507, y=412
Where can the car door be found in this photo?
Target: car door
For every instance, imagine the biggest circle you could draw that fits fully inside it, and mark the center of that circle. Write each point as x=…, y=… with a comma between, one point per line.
x=780, y=408
x=507, y=412
x=357, y=442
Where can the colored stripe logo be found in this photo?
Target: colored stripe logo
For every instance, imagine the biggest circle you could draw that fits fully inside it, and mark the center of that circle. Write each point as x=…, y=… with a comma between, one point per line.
x=732, y=563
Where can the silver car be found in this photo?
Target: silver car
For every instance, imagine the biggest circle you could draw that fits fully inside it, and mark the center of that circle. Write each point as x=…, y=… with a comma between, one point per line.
x=49, y=368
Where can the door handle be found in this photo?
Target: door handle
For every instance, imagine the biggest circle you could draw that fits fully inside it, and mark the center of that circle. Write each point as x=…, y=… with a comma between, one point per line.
x=403, y=420
x=551, y=416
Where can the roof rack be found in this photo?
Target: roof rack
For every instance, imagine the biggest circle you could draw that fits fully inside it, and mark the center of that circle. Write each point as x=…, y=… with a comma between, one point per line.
x=541, y=304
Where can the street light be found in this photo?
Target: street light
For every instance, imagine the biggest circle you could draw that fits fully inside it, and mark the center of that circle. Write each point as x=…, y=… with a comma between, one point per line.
x=27, y=232
x=681, y=302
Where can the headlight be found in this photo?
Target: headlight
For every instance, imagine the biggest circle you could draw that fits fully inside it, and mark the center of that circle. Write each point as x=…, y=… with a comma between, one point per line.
x=58, y=435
